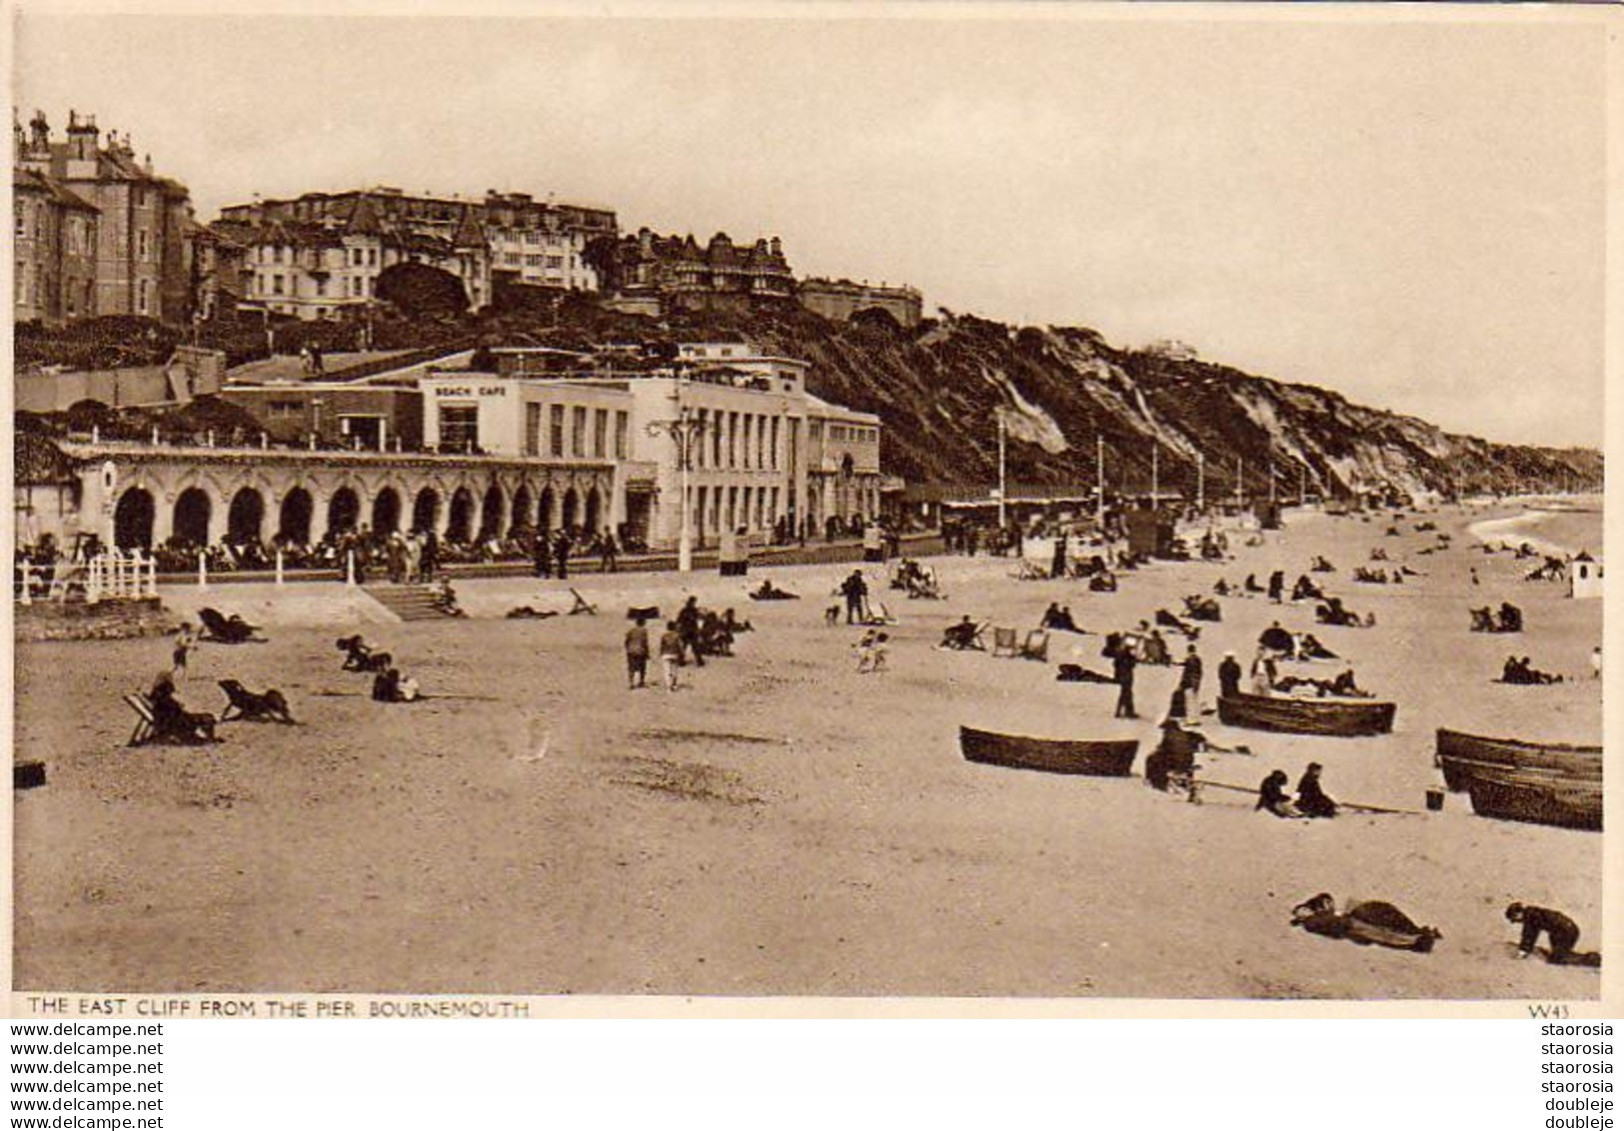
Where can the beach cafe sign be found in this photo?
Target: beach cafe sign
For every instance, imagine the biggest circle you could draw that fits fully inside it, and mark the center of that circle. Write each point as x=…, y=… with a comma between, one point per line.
x=470, y=390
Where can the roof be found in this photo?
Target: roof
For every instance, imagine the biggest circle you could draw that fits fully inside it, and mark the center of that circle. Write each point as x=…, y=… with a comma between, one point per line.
x=23, y=179
x=39, y=460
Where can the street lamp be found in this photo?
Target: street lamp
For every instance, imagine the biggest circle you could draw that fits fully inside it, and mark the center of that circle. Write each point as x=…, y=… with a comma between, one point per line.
x=685, y=432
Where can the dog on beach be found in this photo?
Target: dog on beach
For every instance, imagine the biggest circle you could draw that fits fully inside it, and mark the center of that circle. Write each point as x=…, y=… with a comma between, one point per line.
x=269, y=706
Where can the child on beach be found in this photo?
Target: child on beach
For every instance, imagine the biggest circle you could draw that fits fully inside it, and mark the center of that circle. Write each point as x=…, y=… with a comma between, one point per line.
x=636, y=655
x=671, y=654
x=184, y=642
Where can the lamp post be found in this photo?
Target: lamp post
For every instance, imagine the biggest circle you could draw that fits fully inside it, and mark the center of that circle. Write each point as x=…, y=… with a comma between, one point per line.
x=685, y=432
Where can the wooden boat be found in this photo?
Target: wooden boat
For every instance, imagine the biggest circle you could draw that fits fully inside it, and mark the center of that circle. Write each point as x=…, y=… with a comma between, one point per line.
x=1336, y=717
x=1051, y=755
x=1459, y=756
x=1543, y=799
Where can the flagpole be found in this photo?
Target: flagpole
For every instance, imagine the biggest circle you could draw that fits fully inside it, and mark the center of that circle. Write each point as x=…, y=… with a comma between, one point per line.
x=1002, y=471
x=1240, y=476
x=1099, y=480
x=1200, y=482
x=1155, y=476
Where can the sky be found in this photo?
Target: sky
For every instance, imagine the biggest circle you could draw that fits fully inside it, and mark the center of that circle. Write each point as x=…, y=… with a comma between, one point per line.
x=1411, y=213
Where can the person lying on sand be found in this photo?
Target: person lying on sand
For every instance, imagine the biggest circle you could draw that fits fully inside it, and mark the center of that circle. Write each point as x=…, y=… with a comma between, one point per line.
x=1521, y=672
x=1561, y=930
x=1372, y=921
x=1076, y=673
x=767, y=591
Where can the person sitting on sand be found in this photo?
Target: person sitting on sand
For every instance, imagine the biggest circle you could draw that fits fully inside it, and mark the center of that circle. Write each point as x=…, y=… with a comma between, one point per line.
x=1312, y=800
x=1511, y=618
x=389, y=686
x=1310, y=648
x=1321, y=565
x=1305, y=590
x=1522, y=672
x=733, y=625
x=961, y=637
x=171, y=720
x=1562, y=931
x=1221, y=587
x=1154, y=650
x=1173, y=761
x=1059, y=619
x=1277, y=639
x=1103, y=582
x=444, y=598
x=1345, y=685
x=1272, y=796
x=1251, y=584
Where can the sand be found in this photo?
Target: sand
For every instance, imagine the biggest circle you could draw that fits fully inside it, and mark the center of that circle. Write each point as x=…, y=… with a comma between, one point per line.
x=784, y=825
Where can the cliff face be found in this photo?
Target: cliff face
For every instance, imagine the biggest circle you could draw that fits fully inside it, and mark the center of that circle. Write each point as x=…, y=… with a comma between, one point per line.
x=939, y=391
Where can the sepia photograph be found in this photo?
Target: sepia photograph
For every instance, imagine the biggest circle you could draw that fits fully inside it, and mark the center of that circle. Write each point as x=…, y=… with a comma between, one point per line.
x=920, y=501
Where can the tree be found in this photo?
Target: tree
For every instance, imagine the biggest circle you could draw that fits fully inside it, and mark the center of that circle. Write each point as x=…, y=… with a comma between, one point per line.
x=420, y=291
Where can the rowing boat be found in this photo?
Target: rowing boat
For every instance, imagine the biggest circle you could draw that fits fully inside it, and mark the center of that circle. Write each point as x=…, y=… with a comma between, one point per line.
x=1460, y=756
x=1051, y=755
x=1542, y=799
x=1336, y=717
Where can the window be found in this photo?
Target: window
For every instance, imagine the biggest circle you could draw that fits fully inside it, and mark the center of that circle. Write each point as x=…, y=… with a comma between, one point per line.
x=141, y=297
x=555, y=262
x=321, y=288
x=622, y=430
x=372, y=257
x=276, y=284
x=356, y=255
x=284, y=409
x=532, y=261
x=774, y=450
x=459, y=427
x=511, y=258
x=532, y=429
x=21, y=283
x=277, y=255
x=732, y=446
x=578, y=430
x=600, y=432
x=22, y=220
x=141, y=244
x=555, y=445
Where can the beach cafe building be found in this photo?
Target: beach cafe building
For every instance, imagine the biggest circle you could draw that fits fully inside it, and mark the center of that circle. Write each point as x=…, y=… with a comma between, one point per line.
x=761, y=452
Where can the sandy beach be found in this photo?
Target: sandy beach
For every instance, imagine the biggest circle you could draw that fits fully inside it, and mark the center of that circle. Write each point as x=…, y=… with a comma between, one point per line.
x=783, y=824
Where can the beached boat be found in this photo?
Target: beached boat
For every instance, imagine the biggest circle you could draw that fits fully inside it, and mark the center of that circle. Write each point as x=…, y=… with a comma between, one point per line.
x=1051, y=755
x=1460, y=756
x=1336, y=717
x=1543, y=799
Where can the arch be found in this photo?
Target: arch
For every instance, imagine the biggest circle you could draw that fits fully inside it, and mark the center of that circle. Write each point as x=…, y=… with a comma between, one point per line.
x=490, y=515
x=572, y=507
x=192, y=510
x=593, y=520
x=460, y=524
x=132, y=519
x=523, y=515
x=343, y=511
x=426, y=510
x=544, y=509
x=293, y=523
x=246, y=516
x=386, y=511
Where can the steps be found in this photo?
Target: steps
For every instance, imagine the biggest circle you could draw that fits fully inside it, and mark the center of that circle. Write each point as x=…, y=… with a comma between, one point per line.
x=408, y=602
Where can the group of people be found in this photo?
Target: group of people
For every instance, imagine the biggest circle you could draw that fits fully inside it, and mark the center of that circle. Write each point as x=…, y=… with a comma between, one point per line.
x=1311, y=801
x=692, y=635
x=1521, y=671
x=1508, y=618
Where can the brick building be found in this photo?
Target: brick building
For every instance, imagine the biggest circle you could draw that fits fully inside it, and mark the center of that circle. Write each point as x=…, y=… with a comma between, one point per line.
x=139, y=241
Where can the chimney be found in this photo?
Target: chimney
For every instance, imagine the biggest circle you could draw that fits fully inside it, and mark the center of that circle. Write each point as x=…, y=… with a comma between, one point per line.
x=82, y=136
x=39, y=133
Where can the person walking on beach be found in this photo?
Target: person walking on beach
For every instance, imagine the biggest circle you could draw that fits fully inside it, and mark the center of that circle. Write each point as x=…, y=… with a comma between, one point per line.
x=636, y=655
x=1277, y=585
x=611, y=552
x=687, y=626
x=1229, y=676
x=1122, y=665
x=1190, y=677
x=184, y=642
x=670, y=654
x=1563, y=933
x=855, y=590
x=1263, y=672
x=542, y=555
x=561, y=554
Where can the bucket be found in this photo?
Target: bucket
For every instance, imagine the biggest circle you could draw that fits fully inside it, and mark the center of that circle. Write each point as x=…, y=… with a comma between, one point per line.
x=1435, y=800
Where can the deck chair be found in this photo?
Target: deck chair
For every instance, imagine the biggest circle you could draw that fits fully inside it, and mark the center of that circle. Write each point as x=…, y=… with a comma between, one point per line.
x=146, y=725
x=1036, y=646
x=68, y=578
x=1029, y=571
x=226, y=630
x=582, y=605
x=1005, y=642
x=643, y=612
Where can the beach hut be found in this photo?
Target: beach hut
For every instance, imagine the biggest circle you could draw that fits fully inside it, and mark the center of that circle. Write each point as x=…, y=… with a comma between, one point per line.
x=1150, y=533
x=1584, y=577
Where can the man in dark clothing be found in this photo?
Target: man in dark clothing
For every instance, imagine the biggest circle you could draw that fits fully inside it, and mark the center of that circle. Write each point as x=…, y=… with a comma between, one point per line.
x=1277, y=585
x=1563, y=933
x=1190, y=679
x=1122, y=664
x=1229, y=676
x=543, y=555
x=561, y=554
x=688, y=629
x=611, y=552
x=1311, y=798
x=855, y=590
x=1277, y=639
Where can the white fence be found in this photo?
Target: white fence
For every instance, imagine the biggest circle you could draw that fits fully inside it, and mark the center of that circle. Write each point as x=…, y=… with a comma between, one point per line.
x=107, y=576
